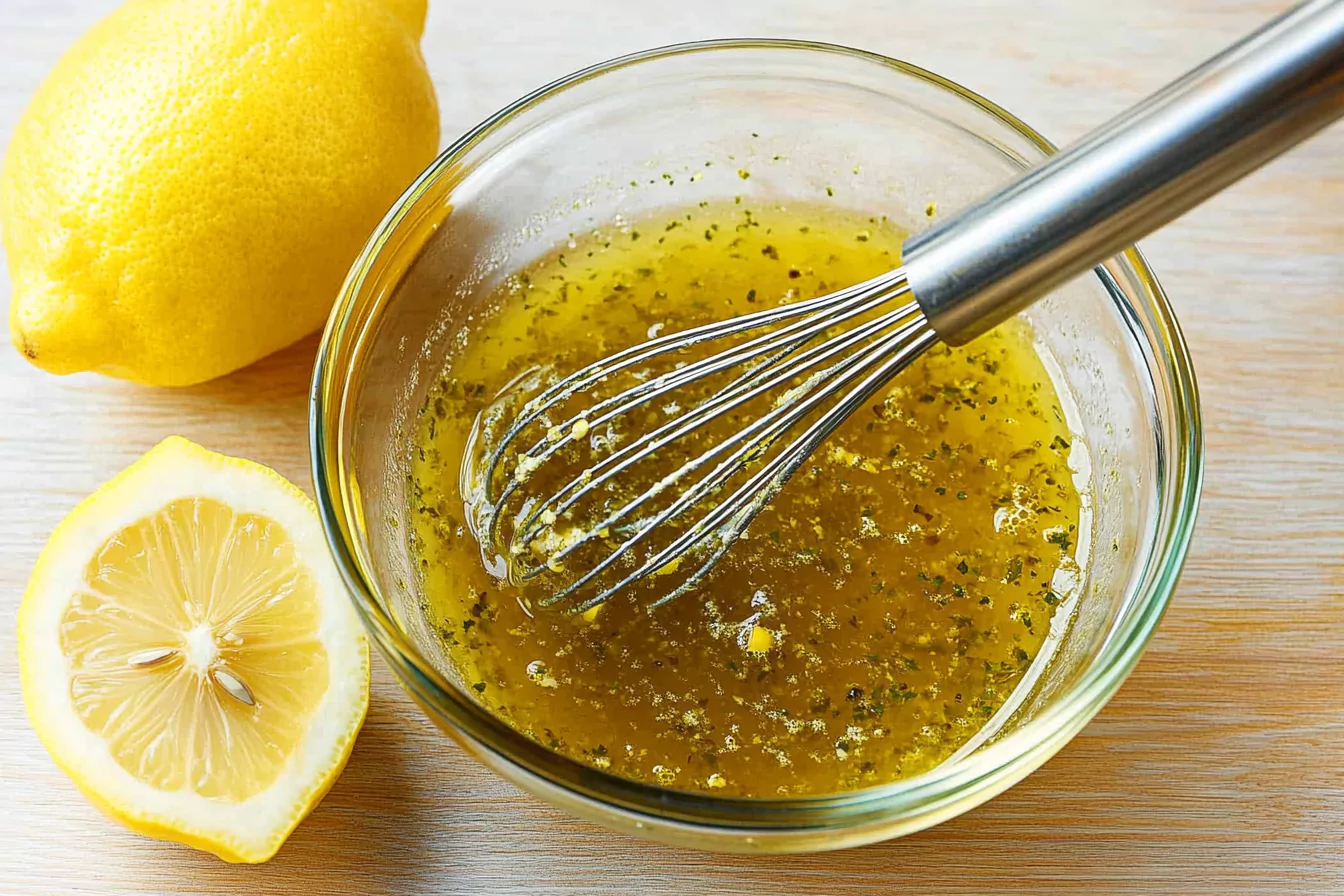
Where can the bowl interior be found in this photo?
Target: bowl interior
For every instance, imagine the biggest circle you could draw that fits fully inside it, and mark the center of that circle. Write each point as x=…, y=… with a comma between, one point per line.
x=803, y=124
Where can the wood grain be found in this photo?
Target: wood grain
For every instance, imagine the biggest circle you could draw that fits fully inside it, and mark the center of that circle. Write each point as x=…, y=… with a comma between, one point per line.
x=1216, y=769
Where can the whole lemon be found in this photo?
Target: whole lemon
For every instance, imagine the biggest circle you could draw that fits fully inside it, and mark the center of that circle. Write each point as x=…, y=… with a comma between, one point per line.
x=190, y=184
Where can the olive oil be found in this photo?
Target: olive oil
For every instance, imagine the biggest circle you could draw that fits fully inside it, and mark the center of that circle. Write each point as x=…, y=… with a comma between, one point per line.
x=880, y=610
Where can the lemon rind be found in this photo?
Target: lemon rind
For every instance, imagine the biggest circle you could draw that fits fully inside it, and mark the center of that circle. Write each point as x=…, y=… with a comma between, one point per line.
x=248, y=831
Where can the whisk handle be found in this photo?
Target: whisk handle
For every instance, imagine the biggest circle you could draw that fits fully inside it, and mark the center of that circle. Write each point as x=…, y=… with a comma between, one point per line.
x=1134, y=174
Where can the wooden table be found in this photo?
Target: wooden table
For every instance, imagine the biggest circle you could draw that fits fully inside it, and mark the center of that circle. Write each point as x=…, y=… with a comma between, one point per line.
x=1215, y=770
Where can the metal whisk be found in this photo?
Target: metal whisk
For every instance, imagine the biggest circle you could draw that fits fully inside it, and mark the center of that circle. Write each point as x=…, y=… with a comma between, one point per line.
x=1163, y=157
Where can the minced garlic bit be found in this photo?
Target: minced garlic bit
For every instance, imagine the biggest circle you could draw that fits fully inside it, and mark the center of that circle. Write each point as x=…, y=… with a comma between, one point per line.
x=539, y=674
x=527, y=465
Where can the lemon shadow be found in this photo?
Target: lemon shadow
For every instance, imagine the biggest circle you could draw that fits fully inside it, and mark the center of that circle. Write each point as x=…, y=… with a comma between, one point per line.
x=259, y=412
x=283, y=376
x=366, y=836
x=371, y=826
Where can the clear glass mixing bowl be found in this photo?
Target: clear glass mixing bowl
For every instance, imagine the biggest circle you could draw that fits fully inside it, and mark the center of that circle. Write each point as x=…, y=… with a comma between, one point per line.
x=886, y=138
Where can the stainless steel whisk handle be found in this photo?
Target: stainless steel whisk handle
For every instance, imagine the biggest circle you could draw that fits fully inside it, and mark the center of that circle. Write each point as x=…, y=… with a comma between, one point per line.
x=1134, y=174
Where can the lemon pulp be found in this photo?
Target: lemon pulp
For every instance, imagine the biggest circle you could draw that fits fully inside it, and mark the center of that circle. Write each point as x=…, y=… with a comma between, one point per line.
x=194, y=652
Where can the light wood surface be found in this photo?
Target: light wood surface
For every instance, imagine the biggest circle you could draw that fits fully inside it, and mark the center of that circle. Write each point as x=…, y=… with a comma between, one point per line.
x=1216, y=769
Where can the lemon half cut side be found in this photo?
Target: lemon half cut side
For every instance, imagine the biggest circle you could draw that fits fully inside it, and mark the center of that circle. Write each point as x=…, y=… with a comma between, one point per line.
x=188, y=653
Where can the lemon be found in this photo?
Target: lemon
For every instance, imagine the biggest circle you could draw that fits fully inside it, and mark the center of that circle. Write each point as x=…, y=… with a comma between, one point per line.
x=191, y=182
x=188, y=654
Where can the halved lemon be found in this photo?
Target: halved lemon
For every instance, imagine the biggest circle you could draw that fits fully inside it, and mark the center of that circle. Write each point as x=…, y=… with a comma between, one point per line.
x=188, y=653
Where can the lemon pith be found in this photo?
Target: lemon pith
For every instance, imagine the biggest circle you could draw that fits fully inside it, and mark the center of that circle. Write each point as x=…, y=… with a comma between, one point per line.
x=188, y=655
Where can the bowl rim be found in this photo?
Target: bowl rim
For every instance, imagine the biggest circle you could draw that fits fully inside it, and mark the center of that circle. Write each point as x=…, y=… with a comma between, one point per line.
x=1007, y=759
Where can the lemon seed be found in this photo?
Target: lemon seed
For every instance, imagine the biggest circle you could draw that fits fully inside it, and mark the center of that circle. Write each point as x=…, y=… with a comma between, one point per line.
x=233, y=686
x=152, y=657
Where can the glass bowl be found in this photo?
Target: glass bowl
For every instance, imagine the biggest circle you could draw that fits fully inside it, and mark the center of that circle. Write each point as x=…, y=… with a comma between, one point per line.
x=623, y=139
